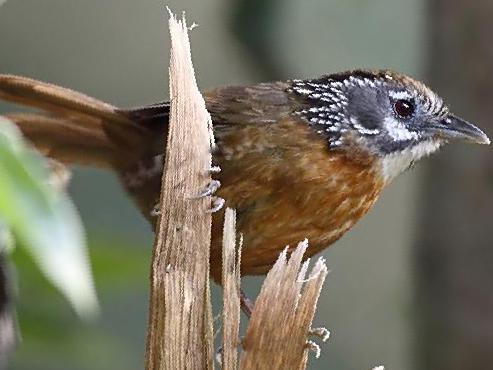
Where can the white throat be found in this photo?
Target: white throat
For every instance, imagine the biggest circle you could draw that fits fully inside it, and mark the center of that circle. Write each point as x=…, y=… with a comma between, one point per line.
x=395, y=163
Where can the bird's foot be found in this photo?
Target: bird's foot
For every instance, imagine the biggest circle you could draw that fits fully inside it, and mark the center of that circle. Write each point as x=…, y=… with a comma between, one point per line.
x=214, y=169
x=314, y=347
x=322, y=333
x=210, y=189
x=156, y=210
x=217, y=204
x=246, y=304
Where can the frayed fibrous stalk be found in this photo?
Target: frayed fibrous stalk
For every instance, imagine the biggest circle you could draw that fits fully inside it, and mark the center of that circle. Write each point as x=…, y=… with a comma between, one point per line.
x=180, y=321
x=278, y=330
x=231, y=292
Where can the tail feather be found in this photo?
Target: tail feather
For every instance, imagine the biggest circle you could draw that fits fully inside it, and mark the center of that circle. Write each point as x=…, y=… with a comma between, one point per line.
x=73, y=127
x=56, y=99
x=66, y=141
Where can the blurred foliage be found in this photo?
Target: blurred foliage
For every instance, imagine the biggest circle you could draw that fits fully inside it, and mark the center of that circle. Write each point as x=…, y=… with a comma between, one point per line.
x=46, y=322
x=44, y=220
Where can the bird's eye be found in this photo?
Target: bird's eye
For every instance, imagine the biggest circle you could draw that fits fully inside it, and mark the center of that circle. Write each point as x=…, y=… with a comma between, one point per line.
x=404, y=108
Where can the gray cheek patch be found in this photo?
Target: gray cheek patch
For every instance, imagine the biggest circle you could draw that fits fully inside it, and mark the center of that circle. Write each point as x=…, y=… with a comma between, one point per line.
x=329, y=110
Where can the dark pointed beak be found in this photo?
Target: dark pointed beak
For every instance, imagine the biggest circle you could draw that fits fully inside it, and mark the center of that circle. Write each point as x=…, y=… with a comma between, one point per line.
x=454, y=128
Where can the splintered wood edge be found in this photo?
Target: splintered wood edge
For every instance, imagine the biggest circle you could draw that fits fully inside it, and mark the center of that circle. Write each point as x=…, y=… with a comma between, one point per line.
x=278, y=330
x=231, y=292
x=179, y=332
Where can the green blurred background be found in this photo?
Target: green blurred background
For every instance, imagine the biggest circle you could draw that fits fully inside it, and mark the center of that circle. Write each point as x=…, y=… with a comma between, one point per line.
x=377, y=300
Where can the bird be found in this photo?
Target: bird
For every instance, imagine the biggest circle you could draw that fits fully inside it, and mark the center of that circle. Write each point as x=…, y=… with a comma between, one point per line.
x=299, y=159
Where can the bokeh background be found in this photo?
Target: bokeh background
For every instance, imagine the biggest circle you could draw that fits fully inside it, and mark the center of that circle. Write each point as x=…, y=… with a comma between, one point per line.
x=411, y=286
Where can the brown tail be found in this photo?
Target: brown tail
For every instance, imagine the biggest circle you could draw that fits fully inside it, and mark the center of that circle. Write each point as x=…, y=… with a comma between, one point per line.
x=74, y=128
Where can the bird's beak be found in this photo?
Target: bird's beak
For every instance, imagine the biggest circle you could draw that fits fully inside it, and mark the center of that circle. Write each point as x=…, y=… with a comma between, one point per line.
x=454, y=128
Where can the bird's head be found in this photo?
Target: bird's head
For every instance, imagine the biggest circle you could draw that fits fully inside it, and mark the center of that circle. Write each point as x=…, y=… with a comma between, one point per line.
x=387, y=115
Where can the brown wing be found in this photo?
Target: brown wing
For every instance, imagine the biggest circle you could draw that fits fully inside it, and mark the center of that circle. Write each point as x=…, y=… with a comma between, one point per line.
x=257, y=104
x=232, y=105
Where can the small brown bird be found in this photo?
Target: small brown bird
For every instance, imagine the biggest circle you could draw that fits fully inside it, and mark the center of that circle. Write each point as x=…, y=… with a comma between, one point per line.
x=299, y=159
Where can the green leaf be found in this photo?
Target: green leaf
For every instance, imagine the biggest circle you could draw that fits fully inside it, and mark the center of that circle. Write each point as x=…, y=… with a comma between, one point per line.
x=44, y=220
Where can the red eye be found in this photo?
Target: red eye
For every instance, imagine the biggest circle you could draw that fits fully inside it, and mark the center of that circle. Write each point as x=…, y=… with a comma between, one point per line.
x=404, y=108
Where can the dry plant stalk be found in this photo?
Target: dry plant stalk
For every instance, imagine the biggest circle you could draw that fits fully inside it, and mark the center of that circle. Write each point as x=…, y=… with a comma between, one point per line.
x=281, y=321
x=180, y=320
x=231, y=292
x=276, y=336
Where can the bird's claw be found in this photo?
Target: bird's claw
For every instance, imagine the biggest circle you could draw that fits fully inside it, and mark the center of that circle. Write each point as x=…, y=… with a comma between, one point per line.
x=247, y=305
x=214, y=169
x=217, y=204
x=312, y=346
x=219, y=356
x=156, y=210
x=322, y=333
x=210, y=189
